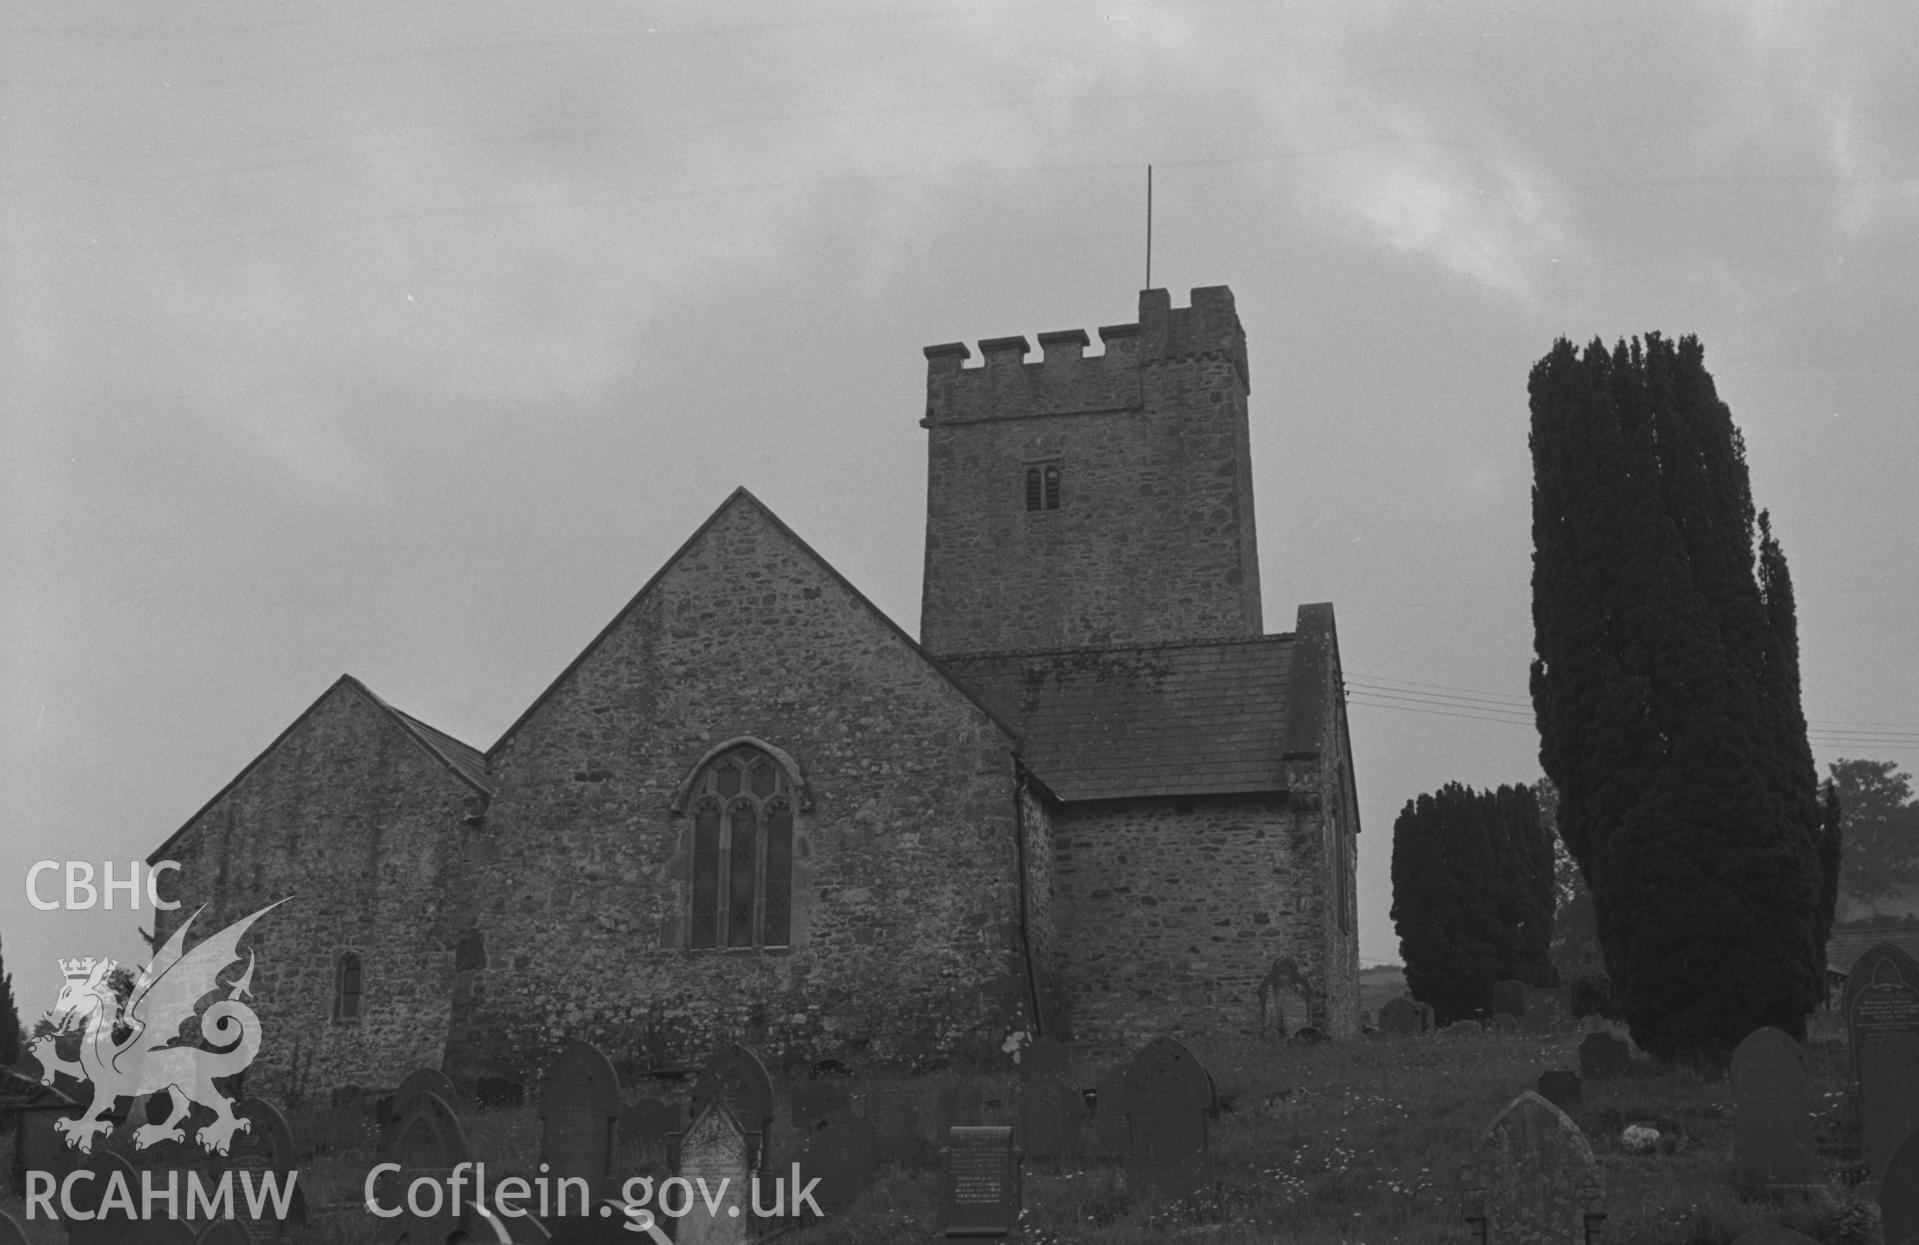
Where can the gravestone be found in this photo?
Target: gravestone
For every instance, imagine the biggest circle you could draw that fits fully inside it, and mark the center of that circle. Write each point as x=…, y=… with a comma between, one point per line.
x=1542, y=1014
x=646, y=1126
x=263, y=1151
x=1504, y=1022
x=842, y=1151
x=1046, y=1119
x=737, y=1079
x=425, y=1138
x=1533, y=1179
x=12, y=1231
x=1865, y=970
x=1899, y=1193
x=1510, y=997
x=111, y=1198
x=1561, y=1087
x=225, y=1232
x=1882, y=1013
x=580, y=1118
x=713, y=1149
x=1772, y=1140
x=1168, y=1096
x=419, y=1081
x=1045, y=1056
x=1773, y=1234
x=1602, y=1055
x=1401, y=1017
x=980, y=1185
x=894, y=1112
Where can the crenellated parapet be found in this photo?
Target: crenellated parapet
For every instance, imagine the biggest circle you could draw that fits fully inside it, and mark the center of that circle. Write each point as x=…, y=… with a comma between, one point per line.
x=1066, y=380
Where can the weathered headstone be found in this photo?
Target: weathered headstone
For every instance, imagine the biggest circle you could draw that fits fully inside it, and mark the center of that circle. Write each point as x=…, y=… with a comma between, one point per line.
x=715, y=1149
x=1865, y=970
x=419, y=1081
x=842, y=1151
x=262, y=1152
x=737, y=1079
x=980, y=1189
x=894, y=1112
x=1772, y=1139
x=109, y=1201
x=1401, y=1017
x=1882, y=1012
x=1045, y=1056
x=1168, y=1096
x=1533, y=1178
x=1510, y=997
x=580, y=1118
x=1773, y=1234
x=425, y=1139
x=1899, y=1193
x=1602, y=1055
x=1561, y=1087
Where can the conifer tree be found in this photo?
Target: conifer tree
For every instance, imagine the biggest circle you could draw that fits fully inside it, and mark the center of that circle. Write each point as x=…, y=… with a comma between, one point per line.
x=1666, y=689
x=9, y=1018
x=1472, y=896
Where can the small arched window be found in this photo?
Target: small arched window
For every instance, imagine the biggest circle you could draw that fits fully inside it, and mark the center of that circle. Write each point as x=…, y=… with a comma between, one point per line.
x=346, y=987
x=742, y=867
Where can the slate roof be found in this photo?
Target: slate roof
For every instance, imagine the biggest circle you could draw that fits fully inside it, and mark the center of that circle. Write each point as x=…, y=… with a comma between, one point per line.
x=466, y=760
x=1192, y=718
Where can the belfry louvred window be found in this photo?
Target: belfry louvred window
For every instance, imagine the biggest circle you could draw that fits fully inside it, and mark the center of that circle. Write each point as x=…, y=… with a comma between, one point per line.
x=1042, y=486
x=742, y=875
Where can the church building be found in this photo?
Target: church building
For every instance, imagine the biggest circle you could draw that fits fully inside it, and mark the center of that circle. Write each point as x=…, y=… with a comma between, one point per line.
x=1094, y=798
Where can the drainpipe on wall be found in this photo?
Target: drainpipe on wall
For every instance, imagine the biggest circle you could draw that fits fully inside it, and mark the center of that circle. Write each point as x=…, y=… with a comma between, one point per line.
x=1025, y=942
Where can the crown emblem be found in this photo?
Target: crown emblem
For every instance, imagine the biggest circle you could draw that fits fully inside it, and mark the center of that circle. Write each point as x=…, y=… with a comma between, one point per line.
x=78, y=970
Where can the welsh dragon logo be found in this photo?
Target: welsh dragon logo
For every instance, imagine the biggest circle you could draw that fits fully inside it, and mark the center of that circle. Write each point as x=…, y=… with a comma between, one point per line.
x=145, y=1058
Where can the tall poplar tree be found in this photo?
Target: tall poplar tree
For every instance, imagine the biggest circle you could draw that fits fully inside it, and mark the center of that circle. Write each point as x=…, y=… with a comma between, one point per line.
x=1666, y=689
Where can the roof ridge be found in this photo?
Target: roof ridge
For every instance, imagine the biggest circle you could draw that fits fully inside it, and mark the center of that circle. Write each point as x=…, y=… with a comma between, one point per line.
x=1202, y=642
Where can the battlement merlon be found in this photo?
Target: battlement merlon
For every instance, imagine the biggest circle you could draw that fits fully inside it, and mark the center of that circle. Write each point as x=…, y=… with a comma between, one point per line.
x=1064, y=380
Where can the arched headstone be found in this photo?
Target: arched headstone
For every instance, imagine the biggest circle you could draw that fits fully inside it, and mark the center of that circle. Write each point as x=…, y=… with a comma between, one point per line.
x=1772, y=1138
x=737, y=1079
x=111, y=1199
x=715, y=1149
x=580, y=1118
x=1882, y=1015
x=1168, y=1096
x=1533, y=1177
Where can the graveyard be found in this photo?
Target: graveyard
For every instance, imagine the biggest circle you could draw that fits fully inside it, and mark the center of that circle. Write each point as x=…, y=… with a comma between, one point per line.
x=1231, y=1140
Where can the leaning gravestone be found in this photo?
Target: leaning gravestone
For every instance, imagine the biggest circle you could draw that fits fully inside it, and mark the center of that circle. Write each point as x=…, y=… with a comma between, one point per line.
x=1401, y=1017
x=1602, y=1055
x=1899, y=1193
x=1561, y=1087
x=1772, y=1141
x=737, y=1079
x=1168, y=1094
x=715, y=1149
x=1882, y=1013
x=1533, y=1179
x=980, y=1188
x=580, y=1118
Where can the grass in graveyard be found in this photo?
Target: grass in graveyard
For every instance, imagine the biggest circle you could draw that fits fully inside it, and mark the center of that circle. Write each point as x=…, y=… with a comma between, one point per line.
x=1357, y=1141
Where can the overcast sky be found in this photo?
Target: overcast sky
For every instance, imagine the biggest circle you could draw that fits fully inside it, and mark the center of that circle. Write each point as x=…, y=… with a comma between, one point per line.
x=408, y=340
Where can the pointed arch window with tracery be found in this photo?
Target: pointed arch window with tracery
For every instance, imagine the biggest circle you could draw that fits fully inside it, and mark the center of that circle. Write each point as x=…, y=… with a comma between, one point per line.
x=741, y=805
